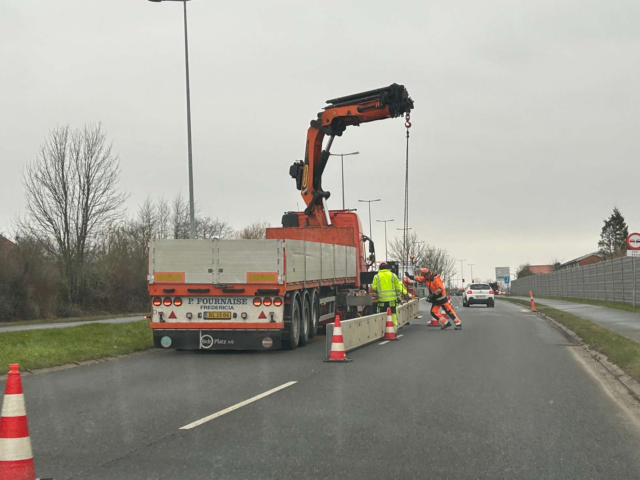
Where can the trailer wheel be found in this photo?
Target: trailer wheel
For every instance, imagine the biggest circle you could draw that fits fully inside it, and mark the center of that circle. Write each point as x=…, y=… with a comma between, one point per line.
x=305, y=319
x=291, y=333
x=315, y=314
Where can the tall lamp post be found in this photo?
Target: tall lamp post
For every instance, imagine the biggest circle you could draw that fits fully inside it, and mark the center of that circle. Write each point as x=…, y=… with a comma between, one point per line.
x=192, y=213
x=370, y=202
x=342, y=155
x=471, y=265
x=386, y=254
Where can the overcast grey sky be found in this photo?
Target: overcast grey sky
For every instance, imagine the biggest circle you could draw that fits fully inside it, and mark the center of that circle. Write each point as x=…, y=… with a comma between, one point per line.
x=525, y=130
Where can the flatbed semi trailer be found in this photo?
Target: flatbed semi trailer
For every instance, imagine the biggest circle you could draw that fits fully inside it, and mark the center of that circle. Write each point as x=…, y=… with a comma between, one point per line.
x=250, y=294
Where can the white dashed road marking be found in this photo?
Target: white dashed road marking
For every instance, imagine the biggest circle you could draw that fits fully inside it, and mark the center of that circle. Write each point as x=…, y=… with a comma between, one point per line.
x=236, y=406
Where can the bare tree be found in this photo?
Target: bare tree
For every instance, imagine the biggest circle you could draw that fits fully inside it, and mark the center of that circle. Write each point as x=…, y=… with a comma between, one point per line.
x=423, y=255
x=555, y=264
x=255, y=230
x=71, y=194
x=163, y=220
x=524, y=270
x=142, y=229
x=147, y=222
x=180, y=217
x=207, y=227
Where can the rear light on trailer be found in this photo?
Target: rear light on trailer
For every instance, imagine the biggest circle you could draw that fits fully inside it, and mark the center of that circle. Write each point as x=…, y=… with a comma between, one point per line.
x=177, y=301
x=257, y=301
x=469, y=292
x=490, y=292
x=157, y=301
x=277, y=302
x=167, y=302
x=266, y=301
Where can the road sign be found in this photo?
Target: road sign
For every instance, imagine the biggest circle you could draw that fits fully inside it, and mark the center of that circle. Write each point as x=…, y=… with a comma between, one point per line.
x=506, y=280
x=502, y=272
x=633, y=242
x=633, y=253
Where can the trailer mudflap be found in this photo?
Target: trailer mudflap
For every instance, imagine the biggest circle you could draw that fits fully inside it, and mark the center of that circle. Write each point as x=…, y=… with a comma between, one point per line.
x=193, y=339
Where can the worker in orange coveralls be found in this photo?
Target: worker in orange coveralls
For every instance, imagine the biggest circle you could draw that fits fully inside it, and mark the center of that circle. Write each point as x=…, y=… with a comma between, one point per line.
x=438, y=298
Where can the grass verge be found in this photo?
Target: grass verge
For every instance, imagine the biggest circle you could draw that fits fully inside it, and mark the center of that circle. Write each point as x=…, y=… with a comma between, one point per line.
x=59, y=346
x=90, y=318
x=622, y=351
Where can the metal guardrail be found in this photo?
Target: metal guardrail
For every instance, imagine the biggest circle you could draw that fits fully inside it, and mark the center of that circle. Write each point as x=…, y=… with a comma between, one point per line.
x=358, y=332
x=614, y=280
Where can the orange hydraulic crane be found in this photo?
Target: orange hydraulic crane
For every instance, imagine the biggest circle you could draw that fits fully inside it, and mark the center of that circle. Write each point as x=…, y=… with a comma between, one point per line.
x=388, y=102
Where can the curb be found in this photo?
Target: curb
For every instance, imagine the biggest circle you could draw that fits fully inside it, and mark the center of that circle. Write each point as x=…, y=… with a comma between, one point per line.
x=67, y=366
x=631, y=385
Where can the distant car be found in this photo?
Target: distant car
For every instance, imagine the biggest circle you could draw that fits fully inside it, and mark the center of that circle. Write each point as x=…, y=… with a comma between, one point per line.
x=478, y=293
x=459, y=292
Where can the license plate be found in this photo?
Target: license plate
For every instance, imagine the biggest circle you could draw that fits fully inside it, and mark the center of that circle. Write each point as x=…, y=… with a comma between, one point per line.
x=217, y=315
x=480, y=296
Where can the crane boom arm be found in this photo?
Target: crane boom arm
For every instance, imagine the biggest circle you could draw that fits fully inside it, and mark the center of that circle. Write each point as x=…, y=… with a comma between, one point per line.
x=388, y=102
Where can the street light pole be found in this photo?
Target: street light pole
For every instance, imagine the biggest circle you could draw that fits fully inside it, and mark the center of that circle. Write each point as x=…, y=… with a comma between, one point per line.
x=386, y=254
x=342, y=155
x=471, y=265
x=462, y=272
x=369, y=202
x=192, y=210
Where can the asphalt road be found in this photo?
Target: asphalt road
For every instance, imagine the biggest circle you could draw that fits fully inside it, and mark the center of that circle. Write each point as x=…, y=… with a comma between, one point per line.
x=504, y=398
x=620, y=321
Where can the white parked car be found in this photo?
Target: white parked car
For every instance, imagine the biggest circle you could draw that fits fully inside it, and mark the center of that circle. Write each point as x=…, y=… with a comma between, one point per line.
x=478, y=293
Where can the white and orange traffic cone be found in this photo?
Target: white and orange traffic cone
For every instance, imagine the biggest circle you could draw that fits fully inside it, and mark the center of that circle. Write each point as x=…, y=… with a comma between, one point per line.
x=533, y=304
x=16, y=457
x=389, y=329
x=435, y=322
x=338, y=353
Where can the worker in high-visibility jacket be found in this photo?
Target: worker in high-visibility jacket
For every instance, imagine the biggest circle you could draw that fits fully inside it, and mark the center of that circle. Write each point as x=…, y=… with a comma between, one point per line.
x=389, y=289
x=438, y=298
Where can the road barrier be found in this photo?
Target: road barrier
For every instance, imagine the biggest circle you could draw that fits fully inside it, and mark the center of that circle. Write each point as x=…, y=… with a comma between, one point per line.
x=614, y=280
x=358, y=332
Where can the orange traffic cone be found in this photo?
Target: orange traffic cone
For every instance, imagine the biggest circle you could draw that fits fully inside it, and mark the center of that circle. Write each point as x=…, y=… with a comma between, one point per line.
x=389, y=329
x=434, y=322
x=533, y=304
x=338, y=353
x=16, y=457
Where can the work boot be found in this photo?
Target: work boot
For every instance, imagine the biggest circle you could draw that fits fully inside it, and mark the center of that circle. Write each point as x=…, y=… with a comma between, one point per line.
x=446, y=325
x=459, y=326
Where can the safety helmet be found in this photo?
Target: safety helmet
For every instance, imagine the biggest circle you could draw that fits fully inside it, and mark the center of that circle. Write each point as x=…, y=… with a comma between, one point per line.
x=424, y=271
x=383, y=266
